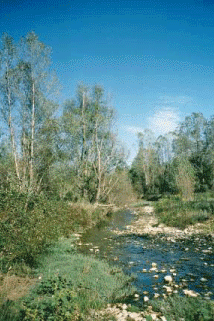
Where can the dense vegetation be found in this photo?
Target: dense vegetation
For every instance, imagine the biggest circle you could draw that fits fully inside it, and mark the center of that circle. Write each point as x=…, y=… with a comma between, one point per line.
x=180, y=162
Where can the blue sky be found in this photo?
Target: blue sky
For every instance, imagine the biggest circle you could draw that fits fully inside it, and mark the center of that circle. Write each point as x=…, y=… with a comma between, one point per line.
x=155, y=59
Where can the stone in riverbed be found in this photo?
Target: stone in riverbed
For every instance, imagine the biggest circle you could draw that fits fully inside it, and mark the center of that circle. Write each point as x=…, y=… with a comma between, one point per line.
x=168, y=289
x=145, y=299
x=168, y=279
x=191, y=293
x=156, y=295
x=203, y=280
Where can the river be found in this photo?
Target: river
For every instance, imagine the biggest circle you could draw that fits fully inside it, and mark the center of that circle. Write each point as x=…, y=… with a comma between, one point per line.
x=190, y=262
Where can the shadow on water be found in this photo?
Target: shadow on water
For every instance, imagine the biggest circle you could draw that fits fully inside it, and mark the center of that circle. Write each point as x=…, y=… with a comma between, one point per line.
x=189, y=261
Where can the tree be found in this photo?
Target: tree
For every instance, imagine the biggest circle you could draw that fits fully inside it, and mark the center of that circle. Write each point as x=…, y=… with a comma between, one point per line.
x=185, y=178
x=91, y=143
x=146, y=168
x=27, y=93
x=8, y=60
x=36, y=87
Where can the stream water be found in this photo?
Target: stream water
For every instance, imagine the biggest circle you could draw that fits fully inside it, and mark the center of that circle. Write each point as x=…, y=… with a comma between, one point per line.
x=190, y=262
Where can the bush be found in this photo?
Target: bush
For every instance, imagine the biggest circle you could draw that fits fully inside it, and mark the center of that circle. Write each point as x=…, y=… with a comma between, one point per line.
x=26, y=232
x=54, y=299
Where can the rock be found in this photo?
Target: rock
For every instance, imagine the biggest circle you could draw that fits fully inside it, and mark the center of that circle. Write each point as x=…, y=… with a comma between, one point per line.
x=136, y=295
x=144, y=270
x=163, y=271
x=153, y=269
x=191, y=293
x=172, y=270
x=168, y=279
x=155, y=276
x=203, y=280
x=163, y=318
x=145, y=299
x=153, y=316
x=154, y=264
x=124, y=307
x=168, y=289
x=156, y=295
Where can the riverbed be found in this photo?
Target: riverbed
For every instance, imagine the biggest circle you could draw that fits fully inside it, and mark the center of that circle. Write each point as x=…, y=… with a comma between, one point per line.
x=189, y=261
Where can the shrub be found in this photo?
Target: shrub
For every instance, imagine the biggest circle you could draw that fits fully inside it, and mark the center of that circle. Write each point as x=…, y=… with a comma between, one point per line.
x=27, y=232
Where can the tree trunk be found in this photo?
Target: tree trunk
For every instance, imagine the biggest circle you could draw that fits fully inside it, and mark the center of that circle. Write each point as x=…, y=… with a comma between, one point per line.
x=12, y=137
x=32, y=137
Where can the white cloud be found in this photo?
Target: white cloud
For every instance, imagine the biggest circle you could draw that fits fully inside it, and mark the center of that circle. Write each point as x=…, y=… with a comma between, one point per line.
x=164, y=120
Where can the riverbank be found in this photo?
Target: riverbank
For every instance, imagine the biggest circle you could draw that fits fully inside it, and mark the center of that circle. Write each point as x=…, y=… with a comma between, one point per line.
x=147, y=222
x=73, y=275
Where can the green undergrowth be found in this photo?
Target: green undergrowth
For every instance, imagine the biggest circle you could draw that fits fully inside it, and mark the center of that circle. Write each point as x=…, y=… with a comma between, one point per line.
x=176, y=308
x=141, y=203
x=69, y=285
x=173, y=211
x=30, y=225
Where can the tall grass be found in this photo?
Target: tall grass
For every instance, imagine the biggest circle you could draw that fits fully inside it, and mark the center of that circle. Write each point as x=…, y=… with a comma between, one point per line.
x=176, y=308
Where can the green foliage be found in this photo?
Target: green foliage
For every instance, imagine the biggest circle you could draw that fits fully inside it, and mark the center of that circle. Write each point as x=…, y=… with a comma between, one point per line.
x=53, y=299
x=188, y=309
x=185, y=178
x=174, y=211
x=27, y=232
x=10, y=311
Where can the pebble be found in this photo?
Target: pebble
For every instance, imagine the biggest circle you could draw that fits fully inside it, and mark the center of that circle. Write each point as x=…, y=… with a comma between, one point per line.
x=203, y=280
x=153, y=269
x=168, y=278
x=190, y=293
x=145, y=299
x=168, y=289
x=156, y=295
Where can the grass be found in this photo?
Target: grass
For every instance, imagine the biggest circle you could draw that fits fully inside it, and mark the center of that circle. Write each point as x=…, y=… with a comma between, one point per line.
x=70, y=285
x=176, y=308
x=173, y=211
